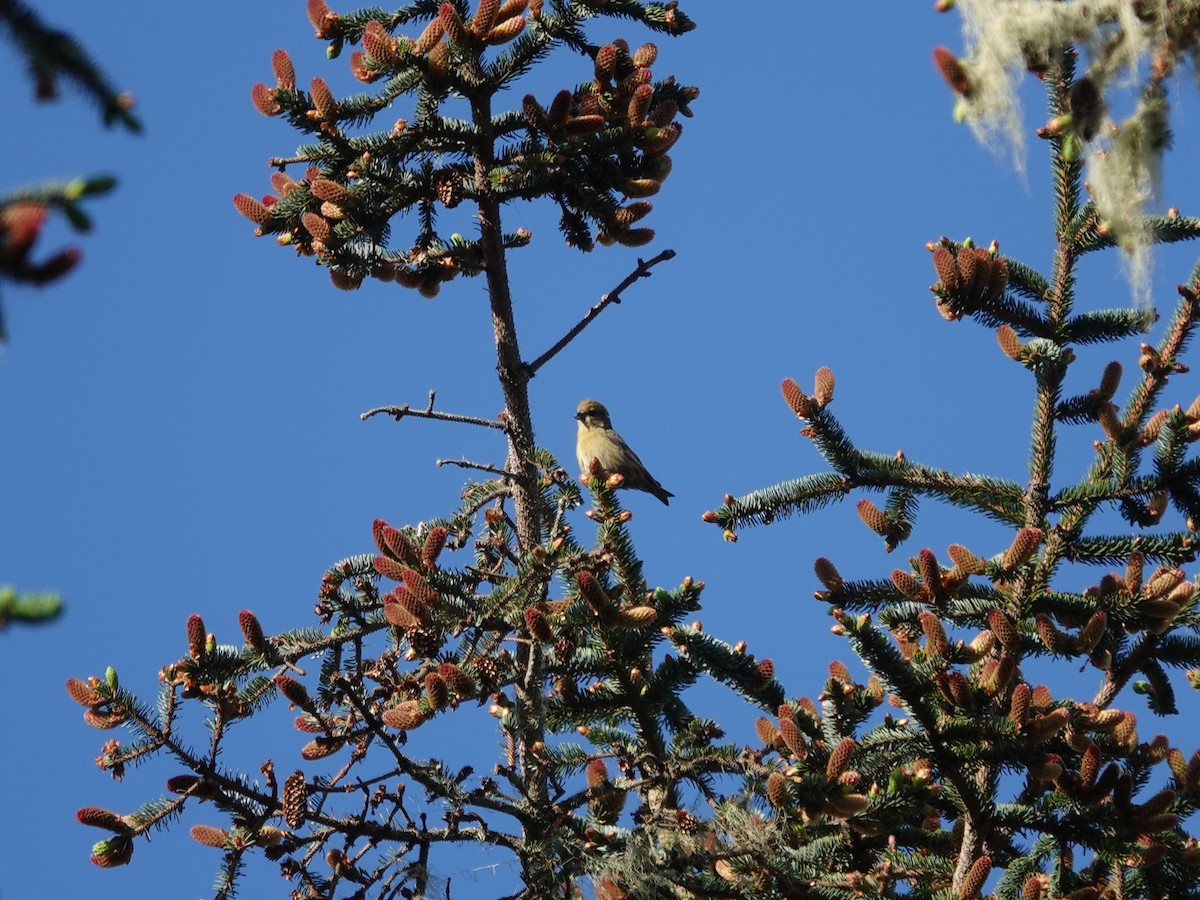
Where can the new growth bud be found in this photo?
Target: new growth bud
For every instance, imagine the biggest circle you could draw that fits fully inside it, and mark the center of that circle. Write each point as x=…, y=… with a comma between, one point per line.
x=952, y=70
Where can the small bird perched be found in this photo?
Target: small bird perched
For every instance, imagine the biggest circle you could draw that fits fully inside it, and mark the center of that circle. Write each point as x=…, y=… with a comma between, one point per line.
x=597, y=440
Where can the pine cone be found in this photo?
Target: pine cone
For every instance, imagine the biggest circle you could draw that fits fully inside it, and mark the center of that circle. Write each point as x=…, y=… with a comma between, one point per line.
x=487, y=670
x=425, y=642
x=564, y=649
x=686, y=822
x=295, y=800
x=448, y=187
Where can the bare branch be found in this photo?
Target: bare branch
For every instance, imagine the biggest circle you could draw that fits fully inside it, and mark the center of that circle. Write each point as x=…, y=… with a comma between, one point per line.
x=613, y=296
x=483, y=467
x=282, y=162
x=399, y=412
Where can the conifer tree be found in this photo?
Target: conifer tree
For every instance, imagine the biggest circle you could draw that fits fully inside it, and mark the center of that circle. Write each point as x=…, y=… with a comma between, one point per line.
x=499, y=604
x=983, y=777
x=986, y=777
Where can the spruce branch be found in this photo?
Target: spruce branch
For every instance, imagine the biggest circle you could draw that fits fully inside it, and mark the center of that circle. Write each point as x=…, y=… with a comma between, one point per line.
x=51, y=53
x=23, y=216
x=996, y=498
x=28, y=607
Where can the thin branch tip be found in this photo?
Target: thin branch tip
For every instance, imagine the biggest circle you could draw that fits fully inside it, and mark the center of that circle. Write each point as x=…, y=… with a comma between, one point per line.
x=483, y=467
x=612, y=297
x=399, y=412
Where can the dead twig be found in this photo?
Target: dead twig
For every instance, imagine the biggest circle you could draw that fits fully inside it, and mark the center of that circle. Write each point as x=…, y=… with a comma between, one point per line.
x=613, y=296
x=483, y=467
x=399, y=412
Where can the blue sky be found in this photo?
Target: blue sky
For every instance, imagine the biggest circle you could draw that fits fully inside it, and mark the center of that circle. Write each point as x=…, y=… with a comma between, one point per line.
x=182, y=412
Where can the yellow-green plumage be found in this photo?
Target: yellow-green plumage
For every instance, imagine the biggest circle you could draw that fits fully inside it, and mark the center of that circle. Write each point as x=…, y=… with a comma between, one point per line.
x=597, y=440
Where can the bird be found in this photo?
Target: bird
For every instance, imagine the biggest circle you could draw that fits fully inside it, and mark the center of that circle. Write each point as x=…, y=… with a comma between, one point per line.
x=597, y=440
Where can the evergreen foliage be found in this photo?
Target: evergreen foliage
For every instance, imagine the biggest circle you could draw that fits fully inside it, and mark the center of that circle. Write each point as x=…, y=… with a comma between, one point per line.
x=51, y=55
x=27, y=607
x=951, y=772
x=1060, y=793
